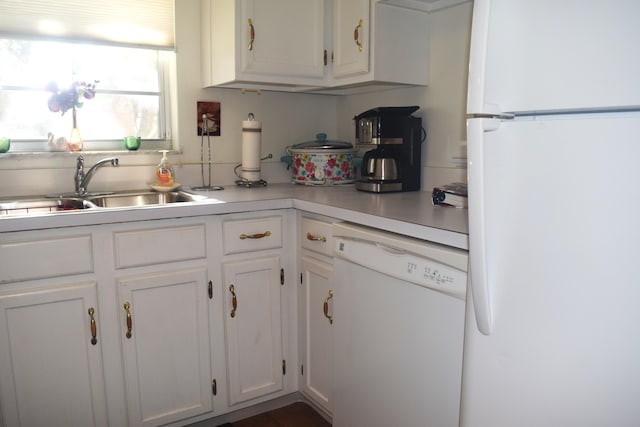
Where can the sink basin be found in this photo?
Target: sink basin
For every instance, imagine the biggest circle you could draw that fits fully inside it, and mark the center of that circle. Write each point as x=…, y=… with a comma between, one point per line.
x=142, y=198
x=68, y=202
x=35, y=205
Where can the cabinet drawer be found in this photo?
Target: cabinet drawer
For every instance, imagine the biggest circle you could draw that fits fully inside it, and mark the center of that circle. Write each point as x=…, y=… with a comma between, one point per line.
x=159, y=245
x=36, y=259
x=316, y=236
x=252, y=234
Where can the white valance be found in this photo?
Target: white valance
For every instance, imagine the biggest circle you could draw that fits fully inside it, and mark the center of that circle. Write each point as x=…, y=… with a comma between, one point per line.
x=130, y=22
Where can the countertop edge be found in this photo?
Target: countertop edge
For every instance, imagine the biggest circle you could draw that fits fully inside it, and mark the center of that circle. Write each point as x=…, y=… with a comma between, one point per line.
x=422, y=232
x=395, y=214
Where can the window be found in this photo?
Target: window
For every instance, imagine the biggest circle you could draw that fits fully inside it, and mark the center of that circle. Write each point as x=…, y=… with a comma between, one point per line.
x=131, y=95
x=126, y=45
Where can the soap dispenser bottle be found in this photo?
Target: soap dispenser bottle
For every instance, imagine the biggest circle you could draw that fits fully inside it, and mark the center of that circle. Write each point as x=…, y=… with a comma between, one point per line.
x=164, y=172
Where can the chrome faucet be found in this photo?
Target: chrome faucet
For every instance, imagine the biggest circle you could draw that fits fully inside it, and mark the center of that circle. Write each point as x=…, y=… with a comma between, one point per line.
x=81, y=179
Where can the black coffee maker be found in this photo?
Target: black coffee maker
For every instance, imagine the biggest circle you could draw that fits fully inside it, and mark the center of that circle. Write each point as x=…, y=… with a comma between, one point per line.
x=394, y=162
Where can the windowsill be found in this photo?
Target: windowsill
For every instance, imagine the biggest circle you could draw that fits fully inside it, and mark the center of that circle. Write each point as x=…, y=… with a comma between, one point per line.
x=23, y=155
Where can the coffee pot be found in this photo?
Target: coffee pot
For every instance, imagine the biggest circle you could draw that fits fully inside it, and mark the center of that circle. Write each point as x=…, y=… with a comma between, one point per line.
x=380, y=165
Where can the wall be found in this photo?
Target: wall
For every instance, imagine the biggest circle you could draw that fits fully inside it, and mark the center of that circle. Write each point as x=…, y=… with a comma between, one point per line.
x=287, y=118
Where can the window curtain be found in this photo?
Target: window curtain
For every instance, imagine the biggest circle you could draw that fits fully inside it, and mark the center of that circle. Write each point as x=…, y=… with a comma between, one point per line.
x=145, y=23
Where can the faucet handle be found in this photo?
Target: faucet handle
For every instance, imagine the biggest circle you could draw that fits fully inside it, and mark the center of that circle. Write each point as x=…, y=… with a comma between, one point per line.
x=80, y=161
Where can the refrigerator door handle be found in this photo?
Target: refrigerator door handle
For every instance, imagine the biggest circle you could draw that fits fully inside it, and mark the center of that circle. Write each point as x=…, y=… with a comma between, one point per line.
x=480, y=290
x=476, y=103
x=492, y=124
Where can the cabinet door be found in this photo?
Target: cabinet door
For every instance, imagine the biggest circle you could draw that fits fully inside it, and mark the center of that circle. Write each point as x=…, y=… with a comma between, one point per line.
x=282, y=37
x=50, y=371
x=317, y=293
x=167, y=356
x=253, y=327
x=350, y=37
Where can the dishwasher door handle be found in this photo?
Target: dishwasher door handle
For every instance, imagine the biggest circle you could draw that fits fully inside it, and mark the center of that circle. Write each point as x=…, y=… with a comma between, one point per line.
x=390, y=249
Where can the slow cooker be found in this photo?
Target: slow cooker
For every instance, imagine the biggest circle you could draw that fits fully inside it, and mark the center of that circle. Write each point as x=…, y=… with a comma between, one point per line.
x=322, y=161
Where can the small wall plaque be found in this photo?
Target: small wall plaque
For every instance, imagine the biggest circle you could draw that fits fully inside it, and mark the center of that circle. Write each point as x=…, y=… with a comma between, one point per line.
x=212, y=112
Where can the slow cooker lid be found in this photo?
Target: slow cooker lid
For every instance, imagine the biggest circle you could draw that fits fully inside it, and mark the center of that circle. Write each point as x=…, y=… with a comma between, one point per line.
x=321, y=142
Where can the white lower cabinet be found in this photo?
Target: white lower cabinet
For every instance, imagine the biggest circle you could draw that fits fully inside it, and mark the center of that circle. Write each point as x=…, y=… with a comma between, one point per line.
x=163, y=285
x=51, y=323
x=253, y=327
x=162, y=322
x=315, y=314
x=255, y=305
x=316, y=325
x=165, y=344
x=51, y=355
x=71, y=354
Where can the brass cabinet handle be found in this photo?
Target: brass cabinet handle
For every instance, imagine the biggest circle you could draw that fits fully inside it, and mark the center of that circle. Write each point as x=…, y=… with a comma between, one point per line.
x=356, y=35
x=234, y=300
x=127, y=306
x=252, y=34
x=255, y=236
x=94, y=329
x=316, y=238
x=325, y=307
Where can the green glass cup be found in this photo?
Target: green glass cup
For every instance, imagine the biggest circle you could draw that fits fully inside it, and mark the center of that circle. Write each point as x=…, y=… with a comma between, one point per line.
x=5, y=144
x=132, y=143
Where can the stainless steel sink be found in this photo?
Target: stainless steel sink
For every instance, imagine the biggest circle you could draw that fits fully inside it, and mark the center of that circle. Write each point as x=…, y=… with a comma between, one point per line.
x=142, y=198
x=69, y=202
x=36, y=205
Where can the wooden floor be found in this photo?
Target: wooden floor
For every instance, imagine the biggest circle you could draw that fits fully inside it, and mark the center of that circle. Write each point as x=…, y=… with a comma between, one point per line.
x=298, y=414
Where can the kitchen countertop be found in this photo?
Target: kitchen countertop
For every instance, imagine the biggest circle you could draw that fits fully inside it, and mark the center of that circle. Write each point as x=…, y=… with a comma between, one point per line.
x=411, y=213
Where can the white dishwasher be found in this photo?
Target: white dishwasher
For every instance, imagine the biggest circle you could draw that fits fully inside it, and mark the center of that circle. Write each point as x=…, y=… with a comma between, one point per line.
x=398, y=325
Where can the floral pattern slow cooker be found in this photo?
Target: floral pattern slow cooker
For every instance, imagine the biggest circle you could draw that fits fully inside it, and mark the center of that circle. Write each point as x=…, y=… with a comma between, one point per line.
x=322, y=162
x=322, y=166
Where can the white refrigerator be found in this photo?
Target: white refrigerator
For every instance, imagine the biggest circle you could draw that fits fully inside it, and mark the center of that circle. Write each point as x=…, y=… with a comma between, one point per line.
x=552, y=334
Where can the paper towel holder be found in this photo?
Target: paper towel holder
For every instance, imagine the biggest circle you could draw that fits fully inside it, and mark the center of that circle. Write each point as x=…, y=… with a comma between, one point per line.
x=208, y=186
x=249, y=175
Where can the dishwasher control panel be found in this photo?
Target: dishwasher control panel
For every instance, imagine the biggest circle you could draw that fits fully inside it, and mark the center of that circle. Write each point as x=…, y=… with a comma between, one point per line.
x=433, y=273
x=395, y=261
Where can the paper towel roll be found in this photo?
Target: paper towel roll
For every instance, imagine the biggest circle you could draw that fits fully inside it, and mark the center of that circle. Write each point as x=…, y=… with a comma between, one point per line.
x=251, y=148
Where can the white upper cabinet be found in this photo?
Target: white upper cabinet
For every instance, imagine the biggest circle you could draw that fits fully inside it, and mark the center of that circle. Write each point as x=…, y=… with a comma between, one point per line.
x=298, y=45
x=351, y=24
x=379, y=42
x=252, y=41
